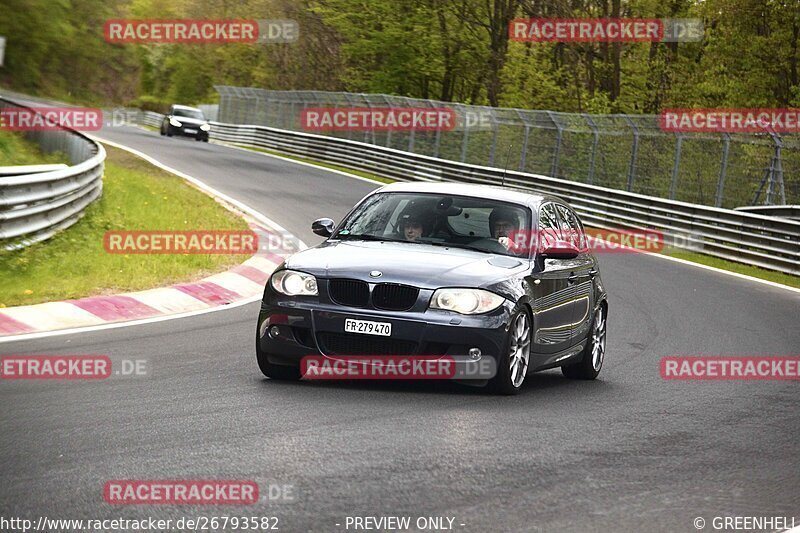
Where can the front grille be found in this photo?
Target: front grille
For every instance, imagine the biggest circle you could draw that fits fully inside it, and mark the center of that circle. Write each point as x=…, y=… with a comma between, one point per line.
x=349, y=292
x=393, y=297
x=354, y=344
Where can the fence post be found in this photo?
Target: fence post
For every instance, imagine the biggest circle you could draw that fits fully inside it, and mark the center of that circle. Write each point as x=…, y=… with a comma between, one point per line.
x=673, y=186
x=634, y=153
x=464, y=141
x=595, y=140
x=493, y=149
x=524, y=150
x=557, y=148
x=437, y=139
x=779, y=166
x=723, y=169
x=387, y=104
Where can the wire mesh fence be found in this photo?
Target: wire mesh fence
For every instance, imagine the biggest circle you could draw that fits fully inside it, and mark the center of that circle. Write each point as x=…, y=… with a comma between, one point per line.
x=626, y=152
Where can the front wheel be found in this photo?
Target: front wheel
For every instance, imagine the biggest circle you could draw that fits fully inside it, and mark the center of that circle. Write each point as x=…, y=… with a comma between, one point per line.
x=593, y=355
x=512, y=366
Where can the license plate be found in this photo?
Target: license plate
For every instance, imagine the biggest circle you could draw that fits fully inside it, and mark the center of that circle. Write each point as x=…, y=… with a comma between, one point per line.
x=367, y=327
x=190, y=131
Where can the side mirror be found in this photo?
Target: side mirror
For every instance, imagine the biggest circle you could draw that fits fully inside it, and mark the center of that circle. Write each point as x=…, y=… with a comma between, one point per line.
x=560, y=250
x=323, y=227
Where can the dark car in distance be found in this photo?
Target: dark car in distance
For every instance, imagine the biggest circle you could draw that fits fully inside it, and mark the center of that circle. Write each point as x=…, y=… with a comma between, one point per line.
x=435, y=269
x=187, y=121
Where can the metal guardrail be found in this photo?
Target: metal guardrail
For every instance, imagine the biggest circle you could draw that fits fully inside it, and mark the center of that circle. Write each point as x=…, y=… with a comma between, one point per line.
x=764, y=241
x=782, y=211
x=34, y=206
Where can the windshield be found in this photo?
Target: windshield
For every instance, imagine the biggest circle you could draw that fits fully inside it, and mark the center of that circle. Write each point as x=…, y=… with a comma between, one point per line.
x=189, y=113
x=479, y=224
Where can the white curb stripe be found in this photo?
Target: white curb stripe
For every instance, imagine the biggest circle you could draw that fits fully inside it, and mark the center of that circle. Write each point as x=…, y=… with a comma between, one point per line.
x=52, y=315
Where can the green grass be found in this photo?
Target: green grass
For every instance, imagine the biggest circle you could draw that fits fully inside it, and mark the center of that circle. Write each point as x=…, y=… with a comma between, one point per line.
x=769, y=275
x=15, y=149
x=694, y=257
x=136, y=196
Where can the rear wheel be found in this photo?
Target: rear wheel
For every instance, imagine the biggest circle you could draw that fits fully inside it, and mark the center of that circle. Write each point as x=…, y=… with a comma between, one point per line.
x=594, y=354
x=512, y=366
x=273, y=371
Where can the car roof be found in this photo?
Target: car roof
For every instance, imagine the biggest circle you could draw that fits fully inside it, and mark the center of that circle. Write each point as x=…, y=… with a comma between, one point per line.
x=494, y=192
x=176, y=106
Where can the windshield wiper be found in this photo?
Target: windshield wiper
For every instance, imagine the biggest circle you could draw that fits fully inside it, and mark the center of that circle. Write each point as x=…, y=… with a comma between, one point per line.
x=365, y=237
x=455, y=245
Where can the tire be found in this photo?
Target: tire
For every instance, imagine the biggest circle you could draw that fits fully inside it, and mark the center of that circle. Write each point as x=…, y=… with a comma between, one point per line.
x=272, y=371
x=591, y=362
x=509, y=379
x=205, y=140
x=161, y=130
x=198, y=139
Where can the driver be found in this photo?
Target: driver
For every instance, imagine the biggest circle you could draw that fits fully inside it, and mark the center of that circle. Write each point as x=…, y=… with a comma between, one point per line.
x=412, y=228
x=503, y=221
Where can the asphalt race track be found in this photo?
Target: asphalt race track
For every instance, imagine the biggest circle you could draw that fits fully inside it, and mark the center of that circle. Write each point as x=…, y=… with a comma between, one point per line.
x=628, y=452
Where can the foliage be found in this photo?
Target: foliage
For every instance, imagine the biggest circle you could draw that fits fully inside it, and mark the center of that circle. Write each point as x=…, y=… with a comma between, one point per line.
x=452, y=50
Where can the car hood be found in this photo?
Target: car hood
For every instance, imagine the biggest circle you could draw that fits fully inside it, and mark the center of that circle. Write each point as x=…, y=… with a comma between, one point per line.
x=419, y=265
x=186, y=121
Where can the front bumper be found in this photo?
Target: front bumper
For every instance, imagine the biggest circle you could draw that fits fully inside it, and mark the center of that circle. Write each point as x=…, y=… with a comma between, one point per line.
x=194, y=131
x=289, y=330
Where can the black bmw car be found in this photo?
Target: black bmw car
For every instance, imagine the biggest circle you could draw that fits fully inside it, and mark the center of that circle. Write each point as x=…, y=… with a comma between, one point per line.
x=184, y=120
x=434, y=270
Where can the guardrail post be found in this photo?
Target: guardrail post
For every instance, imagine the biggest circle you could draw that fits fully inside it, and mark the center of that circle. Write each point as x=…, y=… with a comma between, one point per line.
x=673, y=186
x=726, y=144
x=634, y=154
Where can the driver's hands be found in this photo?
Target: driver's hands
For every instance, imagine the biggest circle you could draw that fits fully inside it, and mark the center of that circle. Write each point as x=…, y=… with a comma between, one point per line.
x=505, y=241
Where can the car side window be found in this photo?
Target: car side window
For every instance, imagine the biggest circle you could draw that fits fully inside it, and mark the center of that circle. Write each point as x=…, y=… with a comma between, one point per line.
x=572, y=231
x=584, y=241
x=549, y=227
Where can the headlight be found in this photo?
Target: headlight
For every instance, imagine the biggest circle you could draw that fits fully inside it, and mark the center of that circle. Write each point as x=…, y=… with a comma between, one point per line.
x=466, y=301
x=174, y=122
x=205, y=127
x=292, y=283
